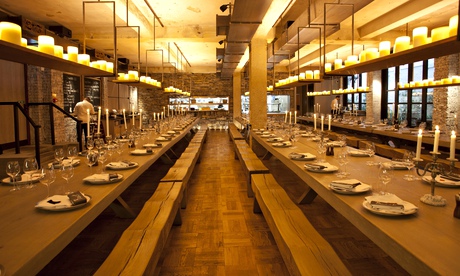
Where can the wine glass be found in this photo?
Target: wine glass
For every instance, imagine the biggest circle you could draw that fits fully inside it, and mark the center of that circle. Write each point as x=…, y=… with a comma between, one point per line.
x=90, y=143
x=102, y=158
x=59, y=155
x=71, y=153
x=30, y=167
x=410, y=164
x=321, y=148
x=47, y=177
x=99, y=143
x=67, y=173
x=91, y=159
x=370, y=150
x=385, y=175
x=108, y=139
x=343, y=161
x=13, y=169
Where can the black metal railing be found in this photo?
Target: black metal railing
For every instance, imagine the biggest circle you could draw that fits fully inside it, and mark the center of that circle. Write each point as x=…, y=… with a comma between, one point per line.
x=51, y=118
x=17, y=106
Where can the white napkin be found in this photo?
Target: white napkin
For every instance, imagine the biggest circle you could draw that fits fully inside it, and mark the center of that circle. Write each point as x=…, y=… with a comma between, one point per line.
x=399, y=204
x=275, y=139
x=97, y=177
x=118, y=164
x=300, y=155
x=139, y=151
x=161, y=139
x=283, y=144
x=64, y=202
x=345, y=183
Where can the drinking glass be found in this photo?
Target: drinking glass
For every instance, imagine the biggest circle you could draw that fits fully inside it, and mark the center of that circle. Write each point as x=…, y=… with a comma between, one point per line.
x=91, y=159
x=108, y=139
x=321, y=148
x=343, y=161
x=385, y=175
x=47, y=177
x=119, y=149
x=71, y=153
x=410, y=164
x=13, y=169
x=370, y=150
x=59, y=155
x=67, y=173
x=30, y=167
x=102, y=158
x=99, y=143
x=90, y=143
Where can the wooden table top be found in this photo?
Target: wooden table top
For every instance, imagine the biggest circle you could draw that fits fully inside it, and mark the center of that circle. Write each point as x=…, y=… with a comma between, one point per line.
x=31, y=238
x=425, y=243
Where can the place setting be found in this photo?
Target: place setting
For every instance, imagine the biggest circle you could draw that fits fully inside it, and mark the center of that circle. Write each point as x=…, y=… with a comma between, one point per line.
x=146, y=151
x=449, y=181
x=349, y=186
x=103, y=178
x=388, y=205
x=68, y=202
x=121, y=165
x=302, y=156
x=283, y=144
x=163, y=138
x=275, y=139
x=31, y=174
x=321, y=167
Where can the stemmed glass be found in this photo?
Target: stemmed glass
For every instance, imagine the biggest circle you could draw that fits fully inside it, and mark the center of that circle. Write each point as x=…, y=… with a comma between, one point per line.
x=102, y=158
x=47, y=177
x=99, y=143
x=91, y=159
x=108, y=139
x=321, y=148
x=385, y=175
x=59, y=155
x=409, y=162
x=90, y=143
x=294, y=136
x=370, y=150
x=13, y=169
x=71, y=153
x=30, y=167
x=67, y=173
x=343, y=161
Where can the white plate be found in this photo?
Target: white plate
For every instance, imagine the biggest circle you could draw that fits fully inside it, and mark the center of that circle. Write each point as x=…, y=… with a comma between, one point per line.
x=317, y=139
x=66, y=162
x=65, y=204
x=275, y=140
x=166, y=135
x=171, y=132
x=103, y=181
x=334, y=144
x=329, y=168
x=282, y=145
x=362, y=188
x=35, y=178
x=162, y=139
x=358, y=153
x=121, y=165
x=368, y=207
x=177, y=128
x=141, y=152
x=157, y=145
x=307, y=135
x=302, y=156
x=442, y=182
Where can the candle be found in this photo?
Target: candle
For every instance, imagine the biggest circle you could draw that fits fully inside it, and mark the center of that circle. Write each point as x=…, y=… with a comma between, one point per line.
x=132, y=113
x=24, y=42
x=162, y=114
x=295, y=117
x=453, y=25
x=439, y=33
x=58, y=51
x=384, y=48
x=109, y=67
x=322, y=122
x=401, y=43
x=314, y=121
x=452, y=145
x=327, y=67
x=419, y=36
x=87, y=123
x=309, y=74
x=83, y=59
x=319, y=108
x=154, y=116
x=436, y=139
x=372, y=53
x=99, y=120
x=316, y=74
x=419, y=145
x=10, y=32
x=329, y=122
x=46, y=44
x=290, y=117
x=124, y=118
x=102, y=64
x=140, y=118
x=285, y=117
x=337, y=63
x=107, y=121
x=72, y=53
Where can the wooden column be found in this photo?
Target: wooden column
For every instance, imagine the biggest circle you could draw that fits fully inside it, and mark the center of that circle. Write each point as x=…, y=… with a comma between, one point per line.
x=237, y=94
x=258, y=82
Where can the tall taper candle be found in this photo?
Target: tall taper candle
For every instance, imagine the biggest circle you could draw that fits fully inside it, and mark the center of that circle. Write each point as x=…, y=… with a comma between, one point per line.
x=87, y=125
x=285, y=117
x=453, y=137
x=314, y=121
x=419, y=145
x=99, y=120
x=436, y=140
x=107, y=121
x=132, y=113
x=140, y=118
x=295, y=117
x=329, y=122
x=322, y=122
x=290, y=117
x=124, y=118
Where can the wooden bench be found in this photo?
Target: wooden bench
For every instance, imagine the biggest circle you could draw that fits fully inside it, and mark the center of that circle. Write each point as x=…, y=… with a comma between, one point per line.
x=304, y=250
x=234, y=133
x=139, y=248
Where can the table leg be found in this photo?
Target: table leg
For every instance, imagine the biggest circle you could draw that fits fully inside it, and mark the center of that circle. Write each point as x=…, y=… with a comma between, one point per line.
x=307, y=197
x=121, y=208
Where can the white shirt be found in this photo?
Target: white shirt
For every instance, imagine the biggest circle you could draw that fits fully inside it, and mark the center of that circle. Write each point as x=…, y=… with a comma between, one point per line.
x=334, y=104
x=80, y=110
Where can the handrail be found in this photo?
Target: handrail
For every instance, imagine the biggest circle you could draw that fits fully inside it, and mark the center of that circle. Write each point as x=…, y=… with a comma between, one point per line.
x=36, y=127
x=53, y=137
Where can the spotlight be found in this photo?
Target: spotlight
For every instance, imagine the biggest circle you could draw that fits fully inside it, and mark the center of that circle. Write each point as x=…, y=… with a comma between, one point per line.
x=220, y=42
x=219, y=60
x=224, y=7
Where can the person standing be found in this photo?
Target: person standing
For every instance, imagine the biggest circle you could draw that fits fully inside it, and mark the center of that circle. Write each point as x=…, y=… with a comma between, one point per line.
x=335, y=105
x=80, y=111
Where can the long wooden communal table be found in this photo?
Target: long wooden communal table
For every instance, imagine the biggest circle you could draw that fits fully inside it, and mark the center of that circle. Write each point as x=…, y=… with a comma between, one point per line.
x=425, y=243
x=30, y=238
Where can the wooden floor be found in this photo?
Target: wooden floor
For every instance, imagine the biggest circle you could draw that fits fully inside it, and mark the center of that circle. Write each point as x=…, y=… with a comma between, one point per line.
x=220, y=235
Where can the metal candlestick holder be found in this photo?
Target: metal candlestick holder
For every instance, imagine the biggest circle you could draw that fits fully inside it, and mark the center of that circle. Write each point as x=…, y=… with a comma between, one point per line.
x=435, y=169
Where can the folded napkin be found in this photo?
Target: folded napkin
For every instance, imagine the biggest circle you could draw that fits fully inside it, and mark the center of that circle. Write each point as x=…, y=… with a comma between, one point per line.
x=161, y=139
x=346, y=184
x=98, y=177
x=301, y=155
x=171, y=132
x=390, y=202
x=316, y=166
x=152, y=145
x=283, y=144
x=140, y=151
x=63, y=201
x=275, y=139
x=122, y=164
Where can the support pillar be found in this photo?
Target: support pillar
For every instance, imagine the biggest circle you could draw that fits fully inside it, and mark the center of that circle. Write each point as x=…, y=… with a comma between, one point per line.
x=258, y=82
x=236, y=94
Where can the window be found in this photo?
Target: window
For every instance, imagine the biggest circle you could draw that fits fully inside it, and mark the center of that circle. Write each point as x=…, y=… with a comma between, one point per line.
x=355, y=101
x=413, y=105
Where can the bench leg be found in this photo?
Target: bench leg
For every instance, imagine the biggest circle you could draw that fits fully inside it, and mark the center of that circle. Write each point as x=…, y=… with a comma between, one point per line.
x=121, y=208
x=177, y=218
x=307, y=197
x=256, y=208
x=166, y=159
x=250, y=191
x=267, y=155
x=183, y=203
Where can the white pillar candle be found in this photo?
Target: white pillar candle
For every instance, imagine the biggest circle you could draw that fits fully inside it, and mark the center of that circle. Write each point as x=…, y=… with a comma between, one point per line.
x=295, y=117
x=102, y=64
x=329, y=122
x=107, y=121
x=436, y=140
x=154, y=116
x=384, y=48
x=453, y=137
x=419, y=144
x=314, y=121
x=58, y=51
x=72, y=53
x=337, y=63
x=164, y=112
x=132, y=113
x=401, y=43
x=88, y=120
x=46, y=44
x=316, y=74
x=290, y=117
x=162, y=115
x=83, y=59
x=327, y=67
x=109, y=67
x=24, y=42
x=322, y=122
x=285, y=117
x=419, y=36
x=99, y=120
x=453, y=25
x=309, y=74
x=10, y=32
x=439, y=33
x=124, y=118
x=372, y=53
x=140, y=118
